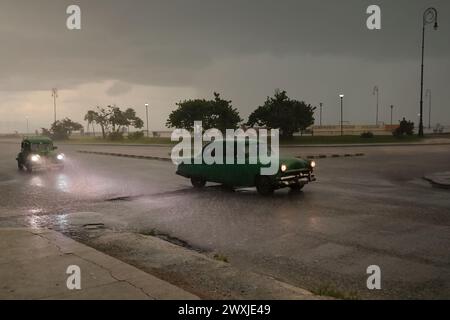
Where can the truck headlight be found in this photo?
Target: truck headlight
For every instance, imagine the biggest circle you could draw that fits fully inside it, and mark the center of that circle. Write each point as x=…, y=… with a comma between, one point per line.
x=35, y=158
x=283, y=168
x=60, y=156
x=312, y=164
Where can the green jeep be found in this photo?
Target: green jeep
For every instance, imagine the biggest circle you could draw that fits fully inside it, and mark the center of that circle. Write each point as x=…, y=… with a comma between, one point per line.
x=39, y=153
x=293, y=172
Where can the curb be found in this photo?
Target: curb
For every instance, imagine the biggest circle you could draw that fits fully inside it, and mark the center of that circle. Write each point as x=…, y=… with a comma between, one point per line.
x=123, y=155
x=324, y=156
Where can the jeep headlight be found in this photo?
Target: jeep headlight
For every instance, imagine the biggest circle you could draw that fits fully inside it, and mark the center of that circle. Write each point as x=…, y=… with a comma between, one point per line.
x=35, y=158
x=60, y=156
x=283, y=168
x=312, y=164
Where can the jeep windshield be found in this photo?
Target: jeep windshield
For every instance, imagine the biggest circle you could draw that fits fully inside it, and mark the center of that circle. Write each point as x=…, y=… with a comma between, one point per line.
x=41, y=147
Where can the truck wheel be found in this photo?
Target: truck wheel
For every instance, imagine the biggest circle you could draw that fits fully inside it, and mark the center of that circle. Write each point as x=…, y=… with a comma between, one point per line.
x=198, y=183
x=19, y=166
x=264, y=186
x=297, y=186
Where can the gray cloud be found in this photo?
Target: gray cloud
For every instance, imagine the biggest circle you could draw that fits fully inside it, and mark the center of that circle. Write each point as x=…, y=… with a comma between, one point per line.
x=312, y=47
x=118, y=88
x=167, y=42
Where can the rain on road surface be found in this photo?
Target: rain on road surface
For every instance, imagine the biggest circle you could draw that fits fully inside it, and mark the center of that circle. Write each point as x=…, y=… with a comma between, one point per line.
x=362, y=211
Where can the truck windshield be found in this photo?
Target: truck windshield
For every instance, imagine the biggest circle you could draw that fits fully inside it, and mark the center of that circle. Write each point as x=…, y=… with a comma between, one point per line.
x=41, y=147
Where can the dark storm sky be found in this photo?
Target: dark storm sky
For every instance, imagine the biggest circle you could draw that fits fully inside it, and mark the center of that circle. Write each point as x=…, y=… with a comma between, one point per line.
x=159, y=52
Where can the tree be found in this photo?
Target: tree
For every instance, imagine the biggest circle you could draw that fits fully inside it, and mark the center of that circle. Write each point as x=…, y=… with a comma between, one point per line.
x=112, y=120
x=281, y=112
x=90, y=117
x=217, y=113
x=100, y=117
x=62, y=129
x=406, y=127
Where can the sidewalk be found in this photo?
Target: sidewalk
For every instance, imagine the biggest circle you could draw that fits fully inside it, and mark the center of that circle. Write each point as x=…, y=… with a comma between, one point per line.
x=33, y=265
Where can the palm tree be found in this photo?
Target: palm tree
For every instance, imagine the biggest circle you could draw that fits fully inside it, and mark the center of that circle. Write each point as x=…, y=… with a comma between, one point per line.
x=91, y=117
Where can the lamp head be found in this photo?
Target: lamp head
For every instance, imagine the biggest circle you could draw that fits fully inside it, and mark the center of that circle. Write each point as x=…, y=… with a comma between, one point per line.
x=341, y=96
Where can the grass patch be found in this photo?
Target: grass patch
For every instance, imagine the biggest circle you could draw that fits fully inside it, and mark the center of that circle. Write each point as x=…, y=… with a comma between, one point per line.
x=99, y=140
x=305, y=140
x=349, y=140
x=331, y=291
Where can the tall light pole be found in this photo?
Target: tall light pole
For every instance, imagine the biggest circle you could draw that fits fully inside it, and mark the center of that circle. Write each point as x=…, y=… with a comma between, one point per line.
x=428, y=94
x=392, y=111
x=320, y=104
x=376, y=91
x=342, y=117
x=146, y=114
x=54, y=95
x=429, y=16
x=28, y=128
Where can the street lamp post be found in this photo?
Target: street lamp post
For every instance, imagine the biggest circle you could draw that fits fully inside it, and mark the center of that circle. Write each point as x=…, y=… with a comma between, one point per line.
x=146, y=114
x=392, y=111
x=428, y=94
x=376, y=91
x=429, y=16
x=342, y=117
x=54, y=95
x=321, y=104
x=28, y=129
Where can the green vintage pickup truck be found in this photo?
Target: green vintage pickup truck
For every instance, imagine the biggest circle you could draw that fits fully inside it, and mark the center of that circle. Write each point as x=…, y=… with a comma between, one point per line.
x=39, y=153
x=293, y=172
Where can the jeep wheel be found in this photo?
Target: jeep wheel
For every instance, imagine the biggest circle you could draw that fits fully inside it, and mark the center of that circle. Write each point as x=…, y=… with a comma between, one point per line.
x=264, y=186
x=29, y=167
x=19, y=166
x=198, y=183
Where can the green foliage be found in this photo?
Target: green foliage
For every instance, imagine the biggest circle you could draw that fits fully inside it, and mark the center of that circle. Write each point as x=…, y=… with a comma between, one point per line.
x=115, y=136
x=112, y=120
x=62, y=129
x=367, y=135
x=281, y=112
x=405, y=128
x=217, y=113
x=136, y=135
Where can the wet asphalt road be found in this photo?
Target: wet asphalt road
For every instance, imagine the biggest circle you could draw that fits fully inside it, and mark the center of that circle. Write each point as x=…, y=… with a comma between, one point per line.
x=372, y=210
